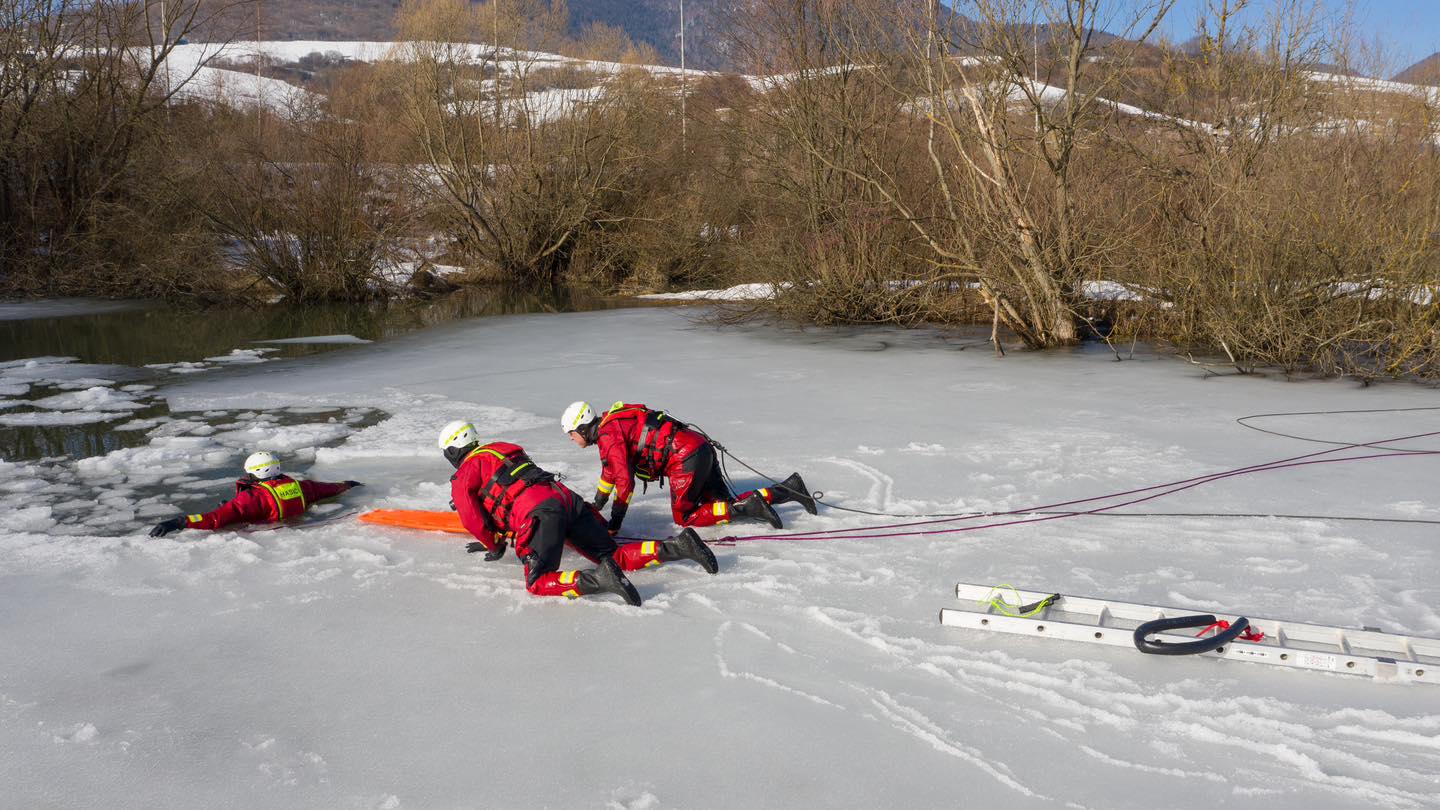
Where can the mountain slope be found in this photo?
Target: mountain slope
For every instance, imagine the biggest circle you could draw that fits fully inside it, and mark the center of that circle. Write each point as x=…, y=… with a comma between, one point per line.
x=1426, y=71
x=652, y=22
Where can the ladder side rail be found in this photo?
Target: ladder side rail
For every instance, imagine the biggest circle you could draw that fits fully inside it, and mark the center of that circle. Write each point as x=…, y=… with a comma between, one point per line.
x=1304, y=632
x=1361, y=665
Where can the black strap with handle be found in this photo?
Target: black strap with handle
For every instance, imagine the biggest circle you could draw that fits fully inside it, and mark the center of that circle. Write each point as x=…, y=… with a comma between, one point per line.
x=1199, y=645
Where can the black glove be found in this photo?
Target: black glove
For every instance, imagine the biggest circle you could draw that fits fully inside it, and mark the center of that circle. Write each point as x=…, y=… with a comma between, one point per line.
x=164, y=527
x=491, y=555
x=353, y=484
x=600, y=499
x=617, y=516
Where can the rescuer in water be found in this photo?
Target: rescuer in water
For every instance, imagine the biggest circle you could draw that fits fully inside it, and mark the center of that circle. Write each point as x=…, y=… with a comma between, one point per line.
x=263, y=495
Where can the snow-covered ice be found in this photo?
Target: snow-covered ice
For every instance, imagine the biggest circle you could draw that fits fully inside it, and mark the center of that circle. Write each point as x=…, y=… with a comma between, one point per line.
x=92, y=398
x=317, y=339
x=55, y=418
x=345, y=665
x=62, y=308
x=739, y=292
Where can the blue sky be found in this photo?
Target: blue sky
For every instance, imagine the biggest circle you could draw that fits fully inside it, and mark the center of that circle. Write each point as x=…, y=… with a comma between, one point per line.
x=1409, y=28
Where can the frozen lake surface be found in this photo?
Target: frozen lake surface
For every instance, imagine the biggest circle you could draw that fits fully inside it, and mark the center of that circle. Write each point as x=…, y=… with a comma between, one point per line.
x=344, y=665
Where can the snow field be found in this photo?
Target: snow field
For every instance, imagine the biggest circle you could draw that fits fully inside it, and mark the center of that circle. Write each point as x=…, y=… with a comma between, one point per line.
x=344, y=665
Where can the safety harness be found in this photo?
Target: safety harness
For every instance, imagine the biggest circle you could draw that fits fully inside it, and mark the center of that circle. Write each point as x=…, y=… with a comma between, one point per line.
x=515, y=474
x=657, y=441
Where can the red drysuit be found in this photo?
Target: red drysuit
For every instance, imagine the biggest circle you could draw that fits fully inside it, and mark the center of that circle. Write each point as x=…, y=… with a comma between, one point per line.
x=636, y=441
x=266, y=501
x=498, y=491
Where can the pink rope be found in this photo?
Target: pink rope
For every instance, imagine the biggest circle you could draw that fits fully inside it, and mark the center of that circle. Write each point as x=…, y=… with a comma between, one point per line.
x=870, y=532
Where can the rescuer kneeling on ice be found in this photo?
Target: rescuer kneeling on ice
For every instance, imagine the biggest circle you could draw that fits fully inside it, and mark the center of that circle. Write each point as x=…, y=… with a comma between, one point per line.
x=635, y=441
x=499, y=493
x=262, y=495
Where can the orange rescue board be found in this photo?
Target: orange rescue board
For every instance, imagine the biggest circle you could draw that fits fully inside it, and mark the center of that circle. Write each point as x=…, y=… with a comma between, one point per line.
x=415, y=519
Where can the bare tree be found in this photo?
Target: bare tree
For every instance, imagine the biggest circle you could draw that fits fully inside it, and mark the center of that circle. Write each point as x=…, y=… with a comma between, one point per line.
x=84, y=89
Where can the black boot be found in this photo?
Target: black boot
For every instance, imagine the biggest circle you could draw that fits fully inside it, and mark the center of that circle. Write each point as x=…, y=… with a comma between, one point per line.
x=793, y=490
x=606, y=577
x=756, y=507
x=687, y=545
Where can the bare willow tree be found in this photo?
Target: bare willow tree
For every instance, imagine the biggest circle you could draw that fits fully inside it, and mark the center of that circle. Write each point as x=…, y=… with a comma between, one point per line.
x=977, y=131
x=821, y=124
x=519, y=168
x=84, y=128
x=305, y=202
x=1297, y=224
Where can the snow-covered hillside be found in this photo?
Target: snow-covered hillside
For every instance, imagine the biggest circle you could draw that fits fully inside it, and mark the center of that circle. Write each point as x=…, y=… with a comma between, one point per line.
x=344, y=665
x=193, y=68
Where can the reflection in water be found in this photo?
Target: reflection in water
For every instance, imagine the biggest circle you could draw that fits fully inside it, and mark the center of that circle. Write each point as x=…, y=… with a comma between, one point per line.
x=160, y=333
x=76, y=441
x=163, y=333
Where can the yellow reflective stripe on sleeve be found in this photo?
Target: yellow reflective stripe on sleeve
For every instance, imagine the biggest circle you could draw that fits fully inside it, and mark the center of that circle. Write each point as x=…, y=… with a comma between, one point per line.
x=568, y=577
x=570, y=594
x=647, y=547
x=194, y=518
x=764, y=493
x=605, y=487
x=720, y=508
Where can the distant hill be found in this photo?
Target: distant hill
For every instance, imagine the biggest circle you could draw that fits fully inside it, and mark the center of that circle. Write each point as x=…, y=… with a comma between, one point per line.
x=324, y=19
x=653, y=22
x=657, y=23
x=1426, y=71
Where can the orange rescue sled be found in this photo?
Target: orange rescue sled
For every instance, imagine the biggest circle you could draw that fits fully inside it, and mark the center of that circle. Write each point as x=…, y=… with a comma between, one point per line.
x=415, y=519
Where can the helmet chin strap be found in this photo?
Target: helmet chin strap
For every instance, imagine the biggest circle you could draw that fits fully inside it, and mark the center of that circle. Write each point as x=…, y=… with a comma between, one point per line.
x=456, y=455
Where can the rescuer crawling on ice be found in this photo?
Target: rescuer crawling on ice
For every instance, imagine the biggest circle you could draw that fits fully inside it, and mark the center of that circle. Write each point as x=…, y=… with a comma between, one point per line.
x=499, y=493
x=635, y=441
x=262, y=495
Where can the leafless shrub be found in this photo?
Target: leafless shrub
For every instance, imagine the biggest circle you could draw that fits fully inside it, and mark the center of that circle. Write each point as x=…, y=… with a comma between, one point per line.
x=86, y=133
x=306, y=206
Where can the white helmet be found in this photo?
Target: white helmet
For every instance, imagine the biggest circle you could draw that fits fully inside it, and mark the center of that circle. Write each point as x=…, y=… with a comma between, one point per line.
x=263, y=465
x=458, y=434
x=455, y=441
x=576, y=416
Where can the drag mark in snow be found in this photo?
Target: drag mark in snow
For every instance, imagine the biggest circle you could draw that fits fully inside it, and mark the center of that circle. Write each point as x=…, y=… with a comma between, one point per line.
x=644, y=801
x=1085, y=696
x=881, y=485
x=726, y=672
x=1163, y=771
x=1391, y=737
x=917, y=725
x=1310, y=771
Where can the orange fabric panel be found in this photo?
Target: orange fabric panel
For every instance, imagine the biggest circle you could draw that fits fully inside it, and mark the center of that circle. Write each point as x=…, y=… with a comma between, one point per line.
x=415, y=519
